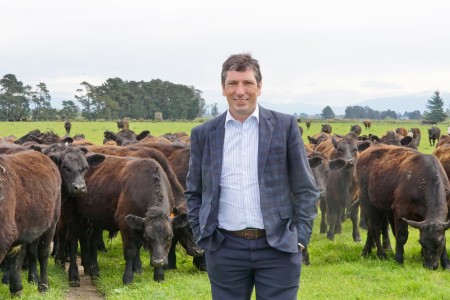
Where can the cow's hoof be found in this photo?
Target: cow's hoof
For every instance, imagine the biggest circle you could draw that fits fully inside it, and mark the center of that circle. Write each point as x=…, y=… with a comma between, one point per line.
x=43, y=287
x=17, y=294
x=74, y=283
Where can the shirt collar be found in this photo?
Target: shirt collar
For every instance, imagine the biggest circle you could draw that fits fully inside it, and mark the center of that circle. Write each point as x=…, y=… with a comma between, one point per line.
x=255, y=114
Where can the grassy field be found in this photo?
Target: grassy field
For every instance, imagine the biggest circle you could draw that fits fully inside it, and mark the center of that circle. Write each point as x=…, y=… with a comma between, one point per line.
x=337, y=270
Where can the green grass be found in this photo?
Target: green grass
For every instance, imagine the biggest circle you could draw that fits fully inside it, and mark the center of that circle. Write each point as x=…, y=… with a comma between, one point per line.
x=337, y=270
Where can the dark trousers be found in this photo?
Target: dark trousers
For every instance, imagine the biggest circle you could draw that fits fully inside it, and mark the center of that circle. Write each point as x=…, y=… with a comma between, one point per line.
x=239, y=265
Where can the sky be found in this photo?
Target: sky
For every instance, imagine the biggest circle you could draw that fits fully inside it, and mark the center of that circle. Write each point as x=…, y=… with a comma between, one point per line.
x=312, y=53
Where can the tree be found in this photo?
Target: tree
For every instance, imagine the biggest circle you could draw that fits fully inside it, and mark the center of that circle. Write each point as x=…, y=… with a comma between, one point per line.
x=214, y=110
x=69, y=111
x=327, y=113
x=436, y=107
x=355, y=112
x=40, y=98
x=14, y=99
x=388, y=114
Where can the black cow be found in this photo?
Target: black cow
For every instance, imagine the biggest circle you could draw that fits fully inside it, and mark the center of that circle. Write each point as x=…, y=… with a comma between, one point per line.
x=408, y=188
x=434, y=133
x=340, y=188
x=67, y=127
x=356, y=129
x=326, y=128
x=137, y=201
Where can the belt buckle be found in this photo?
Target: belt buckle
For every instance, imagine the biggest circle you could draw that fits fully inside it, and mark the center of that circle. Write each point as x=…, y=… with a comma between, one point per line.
x=251, y=233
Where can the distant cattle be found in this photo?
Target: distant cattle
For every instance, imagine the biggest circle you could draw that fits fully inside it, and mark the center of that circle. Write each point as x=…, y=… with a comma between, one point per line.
x=434, y=133
x=409, y=188
x=67, y=127
x=416, y=134
x=308, y=124
x=356, y=129
x=38, y=137
x=30, y=201
x=124, y=137
x=392, y=138
x=402, y=131
x=326, y=128
x=367, y=124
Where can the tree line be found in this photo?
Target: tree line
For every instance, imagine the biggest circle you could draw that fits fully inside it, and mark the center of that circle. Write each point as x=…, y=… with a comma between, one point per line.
x=435, y=114
x=113, y=99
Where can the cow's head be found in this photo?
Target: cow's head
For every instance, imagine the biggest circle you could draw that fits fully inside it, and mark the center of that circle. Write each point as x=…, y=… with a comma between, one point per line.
x=346, y=149
x=73, y=165
x=432, y=239
x=156, y=231
x=183, y=232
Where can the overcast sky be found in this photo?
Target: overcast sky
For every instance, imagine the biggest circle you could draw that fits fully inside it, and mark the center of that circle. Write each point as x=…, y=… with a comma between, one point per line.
x=311, y=52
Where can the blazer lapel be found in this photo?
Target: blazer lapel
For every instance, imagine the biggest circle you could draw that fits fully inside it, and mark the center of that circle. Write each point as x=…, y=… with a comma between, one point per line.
x=265, y=139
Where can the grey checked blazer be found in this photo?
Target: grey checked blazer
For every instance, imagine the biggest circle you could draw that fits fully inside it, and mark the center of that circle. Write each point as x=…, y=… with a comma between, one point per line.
x=287, y=188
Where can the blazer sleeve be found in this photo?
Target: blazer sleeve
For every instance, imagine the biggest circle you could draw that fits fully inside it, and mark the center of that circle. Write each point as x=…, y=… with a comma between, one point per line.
x=193, y=191
x=303, y=186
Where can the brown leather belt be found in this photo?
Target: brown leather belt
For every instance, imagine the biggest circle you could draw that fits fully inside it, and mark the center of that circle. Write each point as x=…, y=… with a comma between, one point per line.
x=248, y=233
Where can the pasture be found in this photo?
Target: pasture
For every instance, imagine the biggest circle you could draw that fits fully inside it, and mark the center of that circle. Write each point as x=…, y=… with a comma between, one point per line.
x=337, y=270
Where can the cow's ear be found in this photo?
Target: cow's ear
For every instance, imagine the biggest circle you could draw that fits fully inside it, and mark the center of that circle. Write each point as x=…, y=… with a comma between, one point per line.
x=180, y=221
x=95, y=160
x=135, y=222
x=68, y=140
x=363, y=145
x=37, y=148
x=55, y=157
x=315, y=162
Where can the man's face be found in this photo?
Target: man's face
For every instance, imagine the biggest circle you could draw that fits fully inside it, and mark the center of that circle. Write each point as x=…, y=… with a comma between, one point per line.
x=241, y=91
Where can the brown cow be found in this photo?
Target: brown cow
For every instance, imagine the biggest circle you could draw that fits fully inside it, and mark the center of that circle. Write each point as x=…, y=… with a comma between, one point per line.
x=30, y=201
x=415, y=134
x=367, y=124
x=137, y=201
x=407, y=187
x=308, y=124
x=402, y=131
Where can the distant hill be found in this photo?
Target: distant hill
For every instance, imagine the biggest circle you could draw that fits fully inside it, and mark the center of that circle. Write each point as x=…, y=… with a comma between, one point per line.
x=399, y=104
x=408, y=103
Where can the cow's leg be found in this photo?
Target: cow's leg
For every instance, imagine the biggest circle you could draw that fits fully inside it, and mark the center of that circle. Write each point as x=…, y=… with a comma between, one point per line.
x=199, y=262
x=445, y=263
x=354, y=218
x=94, y=241
x=385, y=234
x=332, y=219
x=13, y=263
x=130, y=251
x=401, y=236
x=137, y=263
x=172, y=257
x=305, y=256
x=74, y=276
x=323, y=220
x=43, y=250
x=59, y=244
x=32, y=253
x=158, y=274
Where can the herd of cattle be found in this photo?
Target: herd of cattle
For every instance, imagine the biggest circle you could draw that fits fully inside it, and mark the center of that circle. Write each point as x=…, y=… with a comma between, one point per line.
x=67, y=191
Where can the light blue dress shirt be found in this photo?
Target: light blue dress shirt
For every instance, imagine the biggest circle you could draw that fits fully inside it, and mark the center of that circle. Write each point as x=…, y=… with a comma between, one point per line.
x=239, y=199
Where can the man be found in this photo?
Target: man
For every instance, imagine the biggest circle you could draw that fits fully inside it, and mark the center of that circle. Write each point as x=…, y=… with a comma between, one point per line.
x=251, y=194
